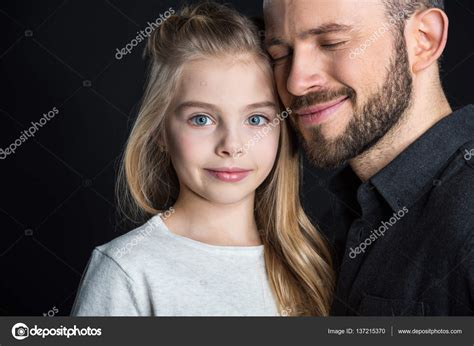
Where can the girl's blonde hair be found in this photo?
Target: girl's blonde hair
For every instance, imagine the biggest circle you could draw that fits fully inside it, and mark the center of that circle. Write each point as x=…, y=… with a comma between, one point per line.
x=298, y=262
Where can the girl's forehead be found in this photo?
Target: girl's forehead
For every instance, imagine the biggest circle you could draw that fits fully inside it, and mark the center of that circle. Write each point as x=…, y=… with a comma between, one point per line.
x=225, y=77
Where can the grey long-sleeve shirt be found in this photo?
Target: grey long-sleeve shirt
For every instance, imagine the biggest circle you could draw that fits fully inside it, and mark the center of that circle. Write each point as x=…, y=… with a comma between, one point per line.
x=151, y=271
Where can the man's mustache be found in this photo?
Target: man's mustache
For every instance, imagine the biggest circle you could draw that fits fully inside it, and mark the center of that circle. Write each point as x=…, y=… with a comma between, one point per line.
x=314, y=98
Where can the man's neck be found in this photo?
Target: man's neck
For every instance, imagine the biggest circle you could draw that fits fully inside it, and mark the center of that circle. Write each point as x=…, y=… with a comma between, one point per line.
x=413, y=124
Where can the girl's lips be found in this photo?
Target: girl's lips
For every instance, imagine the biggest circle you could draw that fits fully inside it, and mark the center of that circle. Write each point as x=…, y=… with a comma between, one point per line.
x=317, y=114
x=231, y=176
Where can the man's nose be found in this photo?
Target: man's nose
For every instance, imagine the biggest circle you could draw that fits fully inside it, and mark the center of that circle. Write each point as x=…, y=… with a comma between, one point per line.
x=306, y=72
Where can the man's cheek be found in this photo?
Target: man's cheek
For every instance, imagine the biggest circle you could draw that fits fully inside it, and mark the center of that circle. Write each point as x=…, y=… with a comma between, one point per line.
x=281, y=79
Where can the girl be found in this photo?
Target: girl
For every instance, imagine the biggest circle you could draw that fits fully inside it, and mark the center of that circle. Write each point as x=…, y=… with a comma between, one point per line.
x=213, y=165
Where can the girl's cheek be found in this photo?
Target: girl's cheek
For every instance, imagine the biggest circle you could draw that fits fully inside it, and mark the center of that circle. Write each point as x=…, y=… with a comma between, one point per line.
x=188, y=145
x=266, y=149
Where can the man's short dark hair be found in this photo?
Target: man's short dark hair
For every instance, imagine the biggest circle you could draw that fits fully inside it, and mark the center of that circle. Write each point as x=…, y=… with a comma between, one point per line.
x=404, y=9
x=397, y=8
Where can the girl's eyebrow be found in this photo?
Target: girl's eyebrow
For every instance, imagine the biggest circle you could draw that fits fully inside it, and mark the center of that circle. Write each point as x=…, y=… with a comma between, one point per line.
x=196, y=104
x=264, y=104
x=214, y=108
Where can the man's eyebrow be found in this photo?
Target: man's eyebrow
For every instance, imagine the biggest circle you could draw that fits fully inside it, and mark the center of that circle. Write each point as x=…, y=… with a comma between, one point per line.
x=322, y=29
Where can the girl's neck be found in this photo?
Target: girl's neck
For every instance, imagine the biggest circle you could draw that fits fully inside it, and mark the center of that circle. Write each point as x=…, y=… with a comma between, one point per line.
x=215, y=224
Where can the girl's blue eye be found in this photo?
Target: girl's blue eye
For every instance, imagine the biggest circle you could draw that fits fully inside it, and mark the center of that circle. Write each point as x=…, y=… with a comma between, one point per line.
x=257, y=120
x=201, y=120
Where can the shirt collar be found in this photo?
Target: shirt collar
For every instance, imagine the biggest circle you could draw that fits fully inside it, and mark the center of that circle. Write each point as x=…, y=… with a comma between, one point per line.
x=344, y=179
x=404, y=179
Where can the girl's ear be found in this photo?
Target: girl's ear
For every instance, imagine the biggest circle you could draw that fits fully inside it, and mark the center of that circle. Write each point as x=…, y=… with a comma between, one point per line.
x=161, y=144
x=162, y=148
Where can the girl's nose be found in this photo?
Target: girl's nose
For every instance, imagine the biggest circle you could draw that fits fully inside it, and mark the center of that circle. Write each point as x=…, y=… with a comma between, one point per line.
x=230, y=143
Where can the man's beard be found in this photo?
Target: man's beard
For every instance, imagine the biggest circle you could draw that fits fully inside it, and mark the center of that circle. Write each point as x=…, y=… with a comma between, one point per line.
x=370, y=121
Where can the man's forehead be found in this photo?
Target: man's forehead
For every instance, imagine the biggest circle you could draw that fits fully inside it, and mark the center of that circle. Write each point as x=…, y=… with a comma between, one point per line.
x=296, y=15
x=268, y=3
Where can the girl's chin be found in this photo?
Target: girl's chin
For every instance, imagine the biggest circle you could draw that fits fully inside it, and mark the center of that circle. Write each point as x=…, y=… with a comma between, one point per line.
x=226, y=196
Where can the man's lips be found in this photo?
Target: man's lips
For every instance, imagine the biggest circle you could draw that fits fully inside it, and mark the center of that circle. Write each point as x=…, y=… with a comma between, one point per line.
x=317, y=114
x=320, y=107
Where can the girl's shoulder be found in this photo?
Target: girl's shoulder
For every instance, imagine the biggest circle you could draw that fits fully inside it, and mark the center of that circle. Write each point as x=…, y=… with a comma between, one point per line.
x=142, y=245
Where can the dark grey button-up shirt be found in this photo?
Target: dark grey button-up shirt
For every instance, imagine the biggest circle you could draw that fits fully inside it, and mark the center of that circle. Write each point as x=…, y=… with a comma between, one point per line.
x=404, y=240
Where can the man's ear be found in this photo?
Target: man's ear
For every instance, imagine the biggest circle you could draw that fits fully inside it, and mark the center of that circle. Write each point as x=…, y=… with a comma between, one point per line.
x=427, y=35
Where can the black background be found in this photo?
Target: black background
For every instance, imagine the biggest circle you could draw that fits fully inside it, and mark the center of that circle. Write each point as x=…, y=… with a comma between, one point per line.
x=57, y=190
